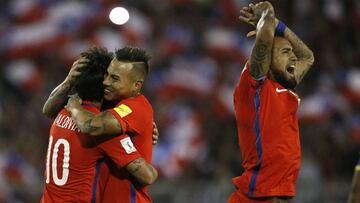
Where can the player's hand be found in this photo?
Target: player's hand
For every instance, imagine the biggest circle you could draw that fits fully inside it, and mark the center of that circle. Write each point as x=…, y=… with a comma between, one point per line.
x=73, y=101
x=259, y=8
x=76, y=69
x=155, y=136
x=251, y=14
x=247, y=16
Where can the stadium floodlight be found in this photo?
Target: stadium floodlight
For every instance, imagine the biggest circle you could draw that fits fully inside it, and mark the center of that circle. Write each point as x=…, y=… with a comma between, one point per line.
x=119, y=15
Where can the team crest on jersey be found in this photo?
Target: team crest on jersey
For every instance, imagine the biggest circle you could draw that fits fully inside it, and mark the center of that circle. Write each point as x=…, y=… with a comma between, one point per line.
x=128, y=145
x=123, y=110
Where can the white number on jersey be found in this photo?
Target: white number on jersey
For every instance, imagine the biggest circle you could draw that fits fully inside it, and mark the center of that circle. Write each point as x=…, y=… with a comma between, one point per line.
x=66, y=161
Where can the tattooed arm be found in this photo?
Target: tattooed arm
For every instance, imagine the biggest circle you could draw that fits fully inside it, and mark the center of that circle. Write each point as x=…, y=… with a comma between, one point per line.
x=59, y=95
x=302, y=52
x=57, y=99
x=250, y=15
x=144, y=172
x=103, y=123
x=260, y=57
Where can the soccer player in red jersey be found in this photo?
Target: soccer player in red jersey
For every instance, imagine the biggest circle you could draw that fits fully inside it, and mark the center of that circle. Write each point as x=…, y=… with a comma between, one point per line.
x=133, y=114
x=265, y=105
x=73, y=158
x=354, y=196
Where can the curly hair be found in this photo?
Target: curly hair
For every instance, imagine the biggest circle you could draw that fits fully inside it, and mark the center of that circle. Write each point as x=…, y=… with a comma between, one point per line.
x=89, y=84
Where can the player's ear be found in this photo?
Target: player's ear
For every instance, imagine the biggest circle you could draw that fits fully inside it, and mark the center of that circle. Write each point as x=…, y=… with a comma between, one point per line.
x=138, y=85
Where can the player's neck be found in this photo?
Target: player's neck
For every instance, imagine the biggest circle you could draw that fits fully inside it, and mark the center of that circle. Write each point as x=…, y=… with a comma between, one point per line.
x=97, y=104
x=135, y=94
x=271, y=76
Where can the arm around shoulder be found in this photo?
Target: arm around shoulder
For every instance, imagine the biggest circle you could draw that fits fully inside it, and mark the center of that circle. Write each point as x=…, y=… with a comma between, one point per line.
x=103, y=123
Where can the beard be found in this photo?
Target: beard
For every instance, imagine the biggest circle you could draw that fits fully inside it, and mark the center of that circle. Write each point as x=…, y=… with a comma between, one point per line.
x=280, y=77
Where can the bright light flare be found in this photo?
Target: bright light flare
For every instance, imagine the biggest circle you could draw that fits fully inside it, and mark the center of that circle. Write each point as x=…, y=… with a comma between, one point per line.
x=119, y=15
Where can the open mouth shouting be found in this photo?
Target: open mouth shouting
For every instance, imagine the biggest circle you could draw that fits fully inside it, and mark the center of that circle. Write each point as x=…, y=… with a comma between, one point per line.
x=291, y=68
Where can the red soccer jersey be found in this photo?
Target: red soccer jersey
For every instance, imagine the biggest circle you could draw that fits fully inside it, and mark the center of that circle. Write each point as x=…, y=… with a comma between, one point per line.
x=73, y=160
x=268, y=137
x=136, y=118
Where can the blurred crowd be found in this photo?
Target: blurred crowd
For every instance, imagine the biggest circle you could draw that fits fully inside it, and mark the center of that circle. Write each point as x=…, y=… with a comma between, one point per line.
x=199, y=48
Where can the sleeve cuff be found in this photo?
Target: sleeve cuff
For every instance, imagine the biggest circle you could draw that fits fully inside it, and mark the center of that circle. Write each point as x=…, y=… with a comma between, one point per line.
x=121, y=121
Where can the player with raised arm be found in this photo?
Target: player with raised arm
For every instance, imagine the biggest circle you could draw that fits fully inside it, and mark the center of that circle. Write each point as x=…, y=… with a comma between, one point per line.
x=265, y=105
x=73, y=158
x=133, y=114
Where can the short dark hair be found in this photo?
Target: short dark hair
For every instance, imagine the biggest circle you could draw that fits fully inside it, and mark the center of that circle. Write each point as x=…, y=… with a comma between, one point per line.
x=136, y=55
x=89, y=85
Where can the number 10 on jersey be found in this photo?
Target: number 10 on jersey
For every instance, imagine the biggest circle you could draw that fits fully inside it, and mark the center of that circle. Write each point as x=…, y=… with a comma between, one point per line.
x=66, y=161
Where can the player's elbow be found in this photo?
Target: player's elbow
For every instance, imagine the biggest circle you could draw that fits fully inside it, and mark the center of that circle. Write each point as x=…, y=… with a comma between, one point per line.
x=150, y=180
x=48, y=113
x=150, y=176
x=311, y=57
x=154, y=176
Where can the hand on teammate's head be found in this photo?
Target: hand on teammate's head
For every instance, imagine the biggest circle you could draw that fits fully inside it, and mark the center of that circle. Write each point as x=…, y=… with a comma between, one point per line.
x=76, y=69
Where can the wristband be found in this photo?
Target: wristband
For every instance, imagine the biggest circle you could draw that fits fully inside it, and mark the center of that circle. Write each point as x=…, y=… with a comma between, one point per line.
x=280, y=29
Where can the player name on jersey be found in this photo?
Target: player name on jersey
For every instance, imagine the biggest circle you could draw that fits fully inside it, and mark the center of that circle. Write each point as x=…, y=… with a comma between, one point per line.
x=66, y=122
